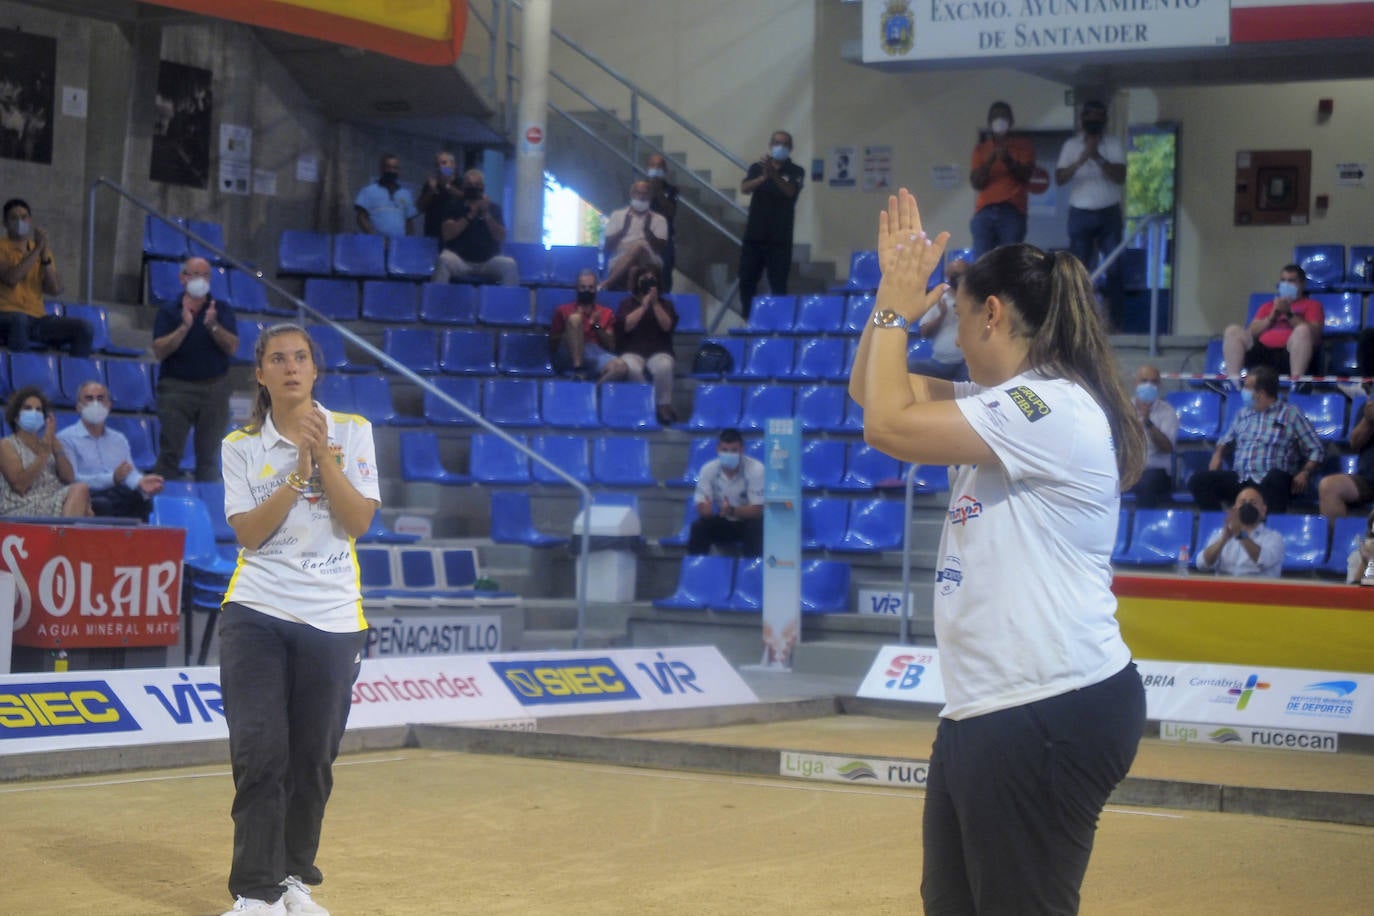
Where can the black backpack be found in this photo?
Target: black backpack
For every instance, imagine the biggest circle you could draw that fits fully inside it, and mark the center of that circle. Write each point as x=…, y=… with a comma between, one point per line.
x=712, y=359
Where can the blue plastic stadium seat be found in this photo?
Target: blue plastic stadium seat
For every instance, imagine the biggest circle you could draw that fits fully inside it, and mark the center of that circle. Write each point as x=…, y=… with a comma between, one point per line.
x=547, y=299
x=190, y=514
x=684, y=533
x=98, y=319
x=1326, y=412
x=411, y=257
x=358, y=254
x=73, y=372
x=568, y=453
x=1324, y=265
x=1356, y=410
x=511, y=402
x=874, y=525
x=628, y=406
x=305, y=253
x=763, y=403
x=130, y=384
x=466, y=391
x=819, y=359
x=622, y=462
x=715, y=407
x=747, y=595
x=703, y=582
x=512, y=521
x=139, y=432
x=931, y=478
x=533, y=260
x=249, y=295
x=1342, y=357
x=770, y=315
x=162, y=240
x=333, y=299
x=1304, y=541
x=568, y=404
x=820, y=407
x=468, y=352
x=1359, y=276
x=702, y=450
x=822, y=464
x=164, y=282
x=1256, y=301
x=864, y=273
x=1342, y=313
x=391, y=301
x=919, y=348
x=523, y=354
x=505, y=306
x=1186, y=464
x=765, y=358
x=212, y=232
x=567, y=261
x=493, y=460
x=219, y=285
x=333, y=354
x=421, y=462
x=36, y=369
x=824, y=522
x=857, y=312
x=825, y=587
x=447, y=303
x=372, y=399
x=736, y=348
x=1199, y=415
x=1346, y=536
x=1157, y=535
x=853, y=417
x=866, y=468
x=336, y=393
x=415, y=348
x=689, y=317
x=819, y=315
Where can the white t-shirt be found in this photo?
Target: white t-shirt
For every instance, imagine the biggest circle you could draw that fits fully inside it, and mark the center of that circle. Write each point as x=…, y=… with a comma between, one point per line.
x=658, y=226
x=1089, y=188
x=1233, y=560
x=1023, y=603
x=944, y=348
x=745, y=488
x=1165, y=419
x=307, y=571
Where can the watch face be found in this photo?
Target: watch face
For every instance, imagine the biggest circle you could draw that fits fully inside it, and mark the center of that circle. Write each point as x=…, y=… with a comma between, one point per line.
x=888, y=319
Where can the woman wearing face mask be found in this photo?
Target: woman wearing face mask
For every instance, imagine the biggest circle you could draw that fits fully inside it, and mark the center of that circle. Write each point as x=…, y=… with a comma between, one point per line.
x=38, y=477
x=1044, y=707
x=647, y=320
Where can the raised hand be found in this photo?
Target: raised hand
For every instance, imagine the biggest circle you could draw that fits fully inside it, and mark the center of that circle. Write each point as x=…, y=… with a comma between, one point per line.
x=907, y=258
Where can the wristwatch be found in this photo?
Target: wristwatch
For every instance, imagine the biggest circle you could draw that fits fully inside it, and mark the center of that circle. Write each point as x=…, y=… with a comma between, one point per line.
x=886, y=318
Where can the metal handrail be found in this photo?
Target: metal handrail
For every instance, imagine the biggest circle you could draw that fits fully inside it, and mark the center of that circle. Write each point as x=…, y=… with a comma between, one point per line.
x=1153, y=223
x=584, y=558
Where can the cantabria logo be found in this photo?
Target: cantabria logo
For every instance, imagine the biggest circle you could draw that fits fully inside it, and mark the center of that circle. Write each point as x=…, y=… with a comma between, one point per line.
x=1225, y=735
x=856, y=770
x=1252, y=683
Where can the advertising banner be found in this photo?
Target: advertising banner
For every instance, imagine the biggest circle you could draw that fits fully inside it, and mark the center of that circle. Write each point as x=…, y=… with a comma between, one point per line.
x=781, y=542
x=81, y=587
x=432, y=634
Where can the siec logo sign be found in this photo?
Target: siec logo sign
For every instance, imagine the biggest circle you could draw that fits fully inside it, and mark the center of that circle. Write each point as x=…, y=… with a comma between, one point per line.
x=569, y=680
x=45, y=710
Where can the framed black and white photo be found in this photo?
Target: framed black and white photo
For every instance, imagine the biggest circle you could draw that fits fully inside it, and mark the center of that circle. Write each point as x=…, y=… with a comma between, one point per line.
x=181, y=131
x=28, y=74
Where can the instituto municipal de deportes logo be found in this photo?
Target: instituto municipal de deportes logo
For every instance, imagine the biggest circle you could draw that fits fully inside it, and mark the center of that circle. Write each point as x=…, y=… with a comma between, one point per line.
x=899, y=28
x=1252, y=683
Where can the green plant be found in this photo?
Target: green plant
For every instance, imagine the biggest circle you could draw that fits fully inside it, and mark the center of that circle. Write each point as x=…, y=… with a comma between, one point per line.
x=1150, y=166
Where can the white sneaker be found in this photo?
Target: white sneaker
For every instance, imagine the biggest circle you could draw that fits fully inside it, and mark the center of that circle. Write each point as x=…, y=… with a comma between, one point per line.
x=297, y=899
x=255, y=907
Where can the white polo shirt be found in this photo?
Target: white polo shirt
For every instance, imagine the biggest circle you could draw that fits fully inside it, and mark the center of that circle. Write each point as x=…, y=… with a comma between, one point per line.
x=1023, y=603
x=307, y=571
x=1089, y=188
x=744, y=488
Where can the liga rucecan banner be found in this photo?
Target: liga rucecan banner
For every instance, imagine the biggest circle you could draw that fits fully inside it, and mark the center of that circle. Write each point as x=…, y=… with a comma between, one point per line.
x=79, y=587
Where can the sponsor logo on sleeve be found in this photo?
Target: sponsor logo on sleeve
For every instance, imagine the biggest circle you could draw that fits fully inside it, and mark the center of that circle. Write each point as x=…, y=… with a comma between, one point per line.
x=949, y=576
x=965, y=509
x=1028, y=402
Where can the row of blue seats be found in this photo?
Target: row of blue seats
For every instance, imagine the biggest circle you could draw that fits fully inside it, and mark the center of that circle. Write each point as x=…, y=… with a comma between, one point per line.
x=244, y=291
x=1339, y=357
x=1203, y=416
x=418, y=574
x=736, y=584
x=1154, y=538
x=98, y=320
x=789, y=360
x=59, y=377
x=1327, y=268
x=832, y=523
x=1188, y=462
x=865, y=272
x=1343, y=313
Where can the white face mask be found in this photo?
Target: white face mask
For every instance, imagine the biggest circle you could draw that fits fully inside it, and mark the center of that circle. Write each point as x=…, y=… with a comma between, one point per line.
x=639, y=206
x=948, y=298
x=655, y=173
x=1000, y=125
x=22, y=228
x=780, y=152
x=197, y=287
x=95, y=413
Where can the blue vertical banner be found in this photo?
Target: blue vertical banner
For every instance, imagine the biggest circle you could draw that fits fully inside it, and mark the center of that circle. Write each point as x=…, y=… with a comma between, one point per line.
x=781, y=542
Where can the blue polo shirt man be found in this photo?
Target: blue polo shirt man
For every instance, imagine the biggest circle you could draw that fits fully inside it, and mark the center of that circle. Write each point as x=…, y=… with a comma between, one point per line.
x=384, y=207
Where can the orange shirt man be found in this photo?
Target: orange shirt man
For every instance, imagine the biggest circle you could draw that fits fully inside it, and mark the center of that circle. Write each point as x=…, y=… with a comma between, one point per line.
x=1000, y=171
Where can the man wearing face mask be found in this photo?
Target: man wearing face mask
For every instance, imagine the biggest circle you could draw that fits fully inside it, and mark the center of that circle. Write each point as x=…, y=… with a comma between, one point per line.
x=103, y=461
x=729, y=500
x=582, y=336
x=471, y=233
x=384, y=207
x=1276, y=450
x=635, y=237
x=1284, y=334
x=773, y=185
x=1093, y=166
x=27, y=273
x=440, y=184
x=1000, y=172
x=193, y=336
x=663, y=201
x=1244, y=546
x=647, y=320
x=1161, y=427
x=947, y=360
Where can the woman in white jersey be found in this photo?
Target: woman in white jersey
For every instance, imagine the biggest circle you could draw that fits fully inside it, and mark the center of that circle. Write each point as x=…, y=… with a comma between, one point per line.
x=1044, y=708
x=300, y=483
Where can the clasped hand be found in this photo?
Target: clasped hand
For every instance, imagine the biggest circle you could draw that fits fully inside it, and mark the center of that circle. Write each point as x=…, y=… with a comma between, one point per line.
x=313, y=434
x=907, y=258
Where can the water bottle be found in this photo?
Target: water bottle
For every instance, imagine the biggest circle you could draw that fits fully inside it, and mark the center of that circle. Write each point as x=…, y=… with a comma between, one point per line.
x=1181, y=565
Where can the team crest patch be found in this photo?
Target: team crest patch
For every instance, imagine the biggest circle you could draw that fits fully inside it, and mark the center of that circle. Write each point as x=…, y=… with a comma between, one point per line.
x=336, y=452
x=899, y=28
x=1028, y=402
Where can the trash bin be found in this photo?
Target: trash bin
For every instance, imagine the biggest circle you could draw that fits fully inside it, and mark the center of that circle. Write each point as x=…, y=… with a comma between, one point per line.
x=615, y=541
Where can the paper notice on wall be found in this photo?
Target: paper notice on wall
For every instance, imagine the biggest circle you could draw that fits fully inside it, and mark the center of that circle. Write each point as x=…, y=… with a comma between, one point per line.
x=234, y=177
x=843, y=168
x=1351, y=174
x=74, y=101
x=265, y=182
x=877, y=166
x=307, y=169
x=235, y=143
x=944, y=177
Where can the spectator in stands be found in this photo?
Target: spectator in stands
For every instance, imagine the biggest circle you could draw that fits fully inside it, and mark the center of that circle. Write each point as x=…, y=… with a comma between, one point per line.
x=1244, y=546
x=1285, y=333
x=193, y=336
x=1276, y=449
x=773, y=184
x=647, y=320
x=103, y=461
x=947, y=360
x=1035, y=669
x=300, y=484
x=729, y=500
x=472, y=232
x=27, y=273
x=582, y=336
x=664, y=202
x=1359, y=564
x=1000, y=172
x=1160, y=421
x=439, y=186
x=1337, y=494
x=635, y=238
x=384, y=207
x=1093, y=166
x=38, y=478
